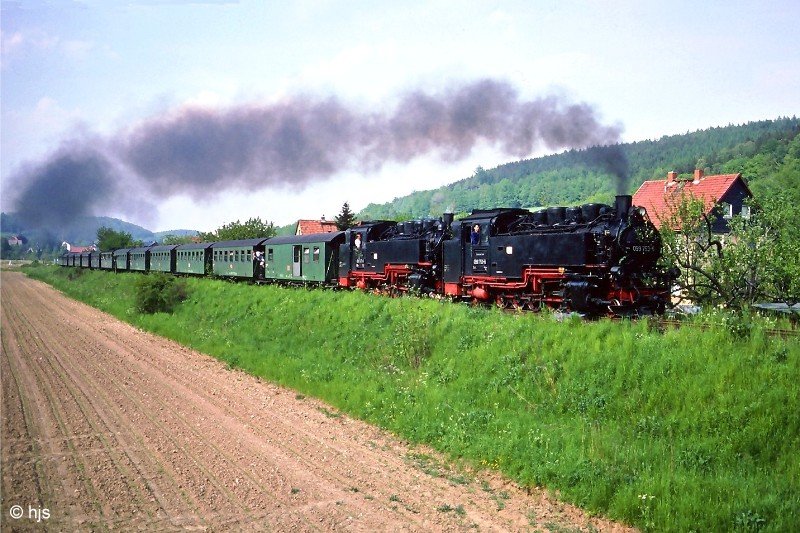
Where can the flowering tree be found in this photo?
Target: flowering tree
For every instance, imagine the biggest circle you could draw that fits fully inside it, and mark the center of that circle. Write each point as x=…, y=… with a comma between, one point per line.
x=759, y=260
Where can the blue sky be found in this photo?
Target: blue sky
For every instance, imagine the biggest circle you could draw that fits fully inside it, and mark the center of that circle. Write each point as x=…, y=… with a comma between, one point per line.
x=93, y=69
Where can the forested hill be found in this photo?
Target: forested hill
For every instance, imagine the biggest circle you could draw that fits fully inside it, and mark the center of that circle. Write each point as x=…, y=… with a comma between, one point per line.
x=767, y=153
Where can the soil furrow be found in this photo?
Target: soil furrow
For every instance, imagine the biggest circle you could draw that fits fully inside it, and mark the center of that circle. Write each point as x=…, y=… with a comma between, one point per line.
x=114, y=428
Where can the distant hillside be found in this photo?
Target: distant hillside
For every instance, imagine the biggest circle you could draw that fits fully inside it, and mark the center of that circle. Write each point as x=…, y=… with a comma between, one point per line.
x=573, y=177
x=82, y=232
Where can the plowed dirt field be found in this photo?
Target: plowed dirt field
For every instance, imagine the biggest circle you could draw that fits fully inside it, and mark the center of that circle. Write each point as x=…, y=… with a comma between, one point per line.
x=107, y=427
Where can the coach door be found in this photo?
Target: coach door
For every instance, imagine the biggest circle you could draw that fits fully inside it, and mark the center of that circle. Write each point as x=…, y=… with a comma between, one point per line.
x=297, y=256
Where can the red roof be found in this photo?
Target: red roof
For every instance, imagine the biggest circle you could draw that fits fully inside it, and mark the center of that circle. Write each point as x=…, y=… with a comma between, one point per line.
x=661, y=197
x=82, y=249
x=307, y=227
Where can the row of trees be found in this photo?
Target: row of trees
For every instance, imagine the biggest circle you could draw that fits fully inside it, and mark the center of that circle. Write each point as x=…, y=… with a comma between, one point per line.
x=252, y=228
x=109, y=239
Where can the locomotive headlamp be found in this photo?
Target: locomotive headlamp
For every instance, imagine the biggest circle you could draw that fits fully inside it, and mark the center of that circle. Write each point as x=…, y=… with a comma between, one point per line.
x=642, y=211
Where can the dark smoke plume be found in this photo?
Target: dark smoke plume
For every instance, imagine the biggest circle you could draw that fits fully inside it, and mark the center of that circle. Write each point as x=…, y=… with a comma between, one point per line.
x=201, y=152
x=72, y=182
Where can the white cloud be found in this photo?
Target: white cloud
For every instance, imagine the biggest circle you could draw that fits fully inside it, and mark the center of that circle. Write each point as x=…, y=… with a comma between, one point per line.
x=27, y=133
x=76, y=49
x=19, y=43
x=10, y=43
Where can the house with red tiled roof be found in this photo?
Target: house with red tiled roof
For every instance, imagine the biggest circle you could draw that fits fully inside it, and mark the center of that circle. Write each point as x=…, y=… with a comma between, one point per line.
x=722, y=195
x=307, y=227
x=78, y=249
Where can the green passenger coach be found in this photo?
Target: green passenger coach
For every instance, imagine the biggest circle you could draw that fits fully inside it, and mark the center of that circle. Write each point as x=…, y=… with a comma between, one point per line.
x=193, y=258
x=236, y=259
x=303, y=258
x=162, y=258
x=139, y=259
x=106, y=260
x=121, y=259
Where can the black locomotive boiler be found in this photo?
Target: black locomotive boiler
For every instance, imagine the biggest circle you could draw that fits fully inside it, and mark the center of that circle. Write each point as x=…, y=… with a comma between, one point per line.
x=593, y=259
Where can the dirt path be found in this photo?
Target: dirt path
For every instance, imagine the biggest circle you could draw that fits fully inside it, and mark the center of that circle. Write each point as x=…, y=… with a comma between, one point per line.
x=105, y=426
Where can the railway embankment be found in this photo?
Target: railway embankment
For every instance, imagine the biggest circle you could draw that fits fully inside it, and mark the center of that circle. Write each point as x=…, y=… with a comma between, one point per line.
x=665, y=428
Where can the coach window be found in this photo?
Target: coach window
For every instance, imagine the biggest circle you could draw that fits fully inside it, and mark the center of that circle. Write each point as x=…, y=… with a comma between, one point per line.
x=306, y=255
x=316, y=254
x=269, y=254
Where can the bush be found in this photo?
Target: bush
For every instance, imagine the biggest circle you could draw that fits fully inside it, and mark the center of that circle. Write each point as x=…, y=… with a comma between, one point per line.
x=159, y=292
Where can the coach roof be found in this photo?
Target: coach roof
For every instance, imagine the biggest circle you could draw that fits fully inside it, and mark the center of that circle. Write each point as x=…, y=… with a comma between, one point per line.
x=301, y=239
x=239, y=244
x=194, y=246
x=163, y=248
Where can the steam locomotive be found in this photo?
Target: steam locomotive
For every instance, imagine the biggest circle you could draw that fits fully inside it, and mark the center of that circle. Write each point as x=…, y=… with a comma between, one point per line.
x=593, y=259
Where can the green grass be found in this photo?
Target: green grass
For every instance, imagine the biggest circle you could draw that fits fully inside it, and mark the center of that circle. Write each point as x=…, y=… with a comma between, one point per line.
x=676, y=430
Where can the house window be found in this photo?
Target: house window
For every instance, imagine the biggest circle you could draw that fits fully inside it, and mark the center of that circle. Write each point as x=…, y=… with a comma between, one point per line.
x=727, y=210
x=746, y=212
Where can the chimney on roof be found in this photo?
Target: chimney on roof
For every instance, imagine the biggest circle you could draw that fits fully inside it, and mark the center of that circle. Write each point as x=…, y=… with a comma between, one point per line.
x=323, y=218
x=698, y=175
x=672, y=177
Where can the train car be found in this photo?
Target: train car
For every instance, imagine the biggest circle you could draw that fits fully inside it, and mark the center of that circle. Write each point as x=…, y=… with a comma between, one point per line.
x=592, y=259
x=84, y=259
x=394, y=256
x=312, y=258
x=193, y=259
x=106, y=260
x=64, y=259
x=139, y=259
x=121, y=260
x=236, y=259
x=162, y=258
x=94, y=260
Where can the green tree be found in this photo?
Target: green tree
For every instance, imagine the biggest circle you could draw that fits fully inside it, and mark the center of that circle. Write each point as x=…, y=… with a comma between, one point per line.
x=345, y=219
x=177, y=239
x=757, y=261
x=5, y=248
x=252, y=228
x=109, y=239
x=766, y=250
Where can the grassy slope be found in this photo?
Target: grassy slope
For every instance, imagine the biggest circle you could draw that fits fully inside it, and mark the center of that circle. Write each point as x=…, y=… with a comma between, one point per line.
x=680, y=430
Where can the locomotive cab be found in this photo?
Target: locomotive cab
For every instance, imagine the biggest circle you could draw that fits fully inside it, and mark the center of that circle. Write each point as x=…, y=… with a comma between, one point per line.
x=394, y=256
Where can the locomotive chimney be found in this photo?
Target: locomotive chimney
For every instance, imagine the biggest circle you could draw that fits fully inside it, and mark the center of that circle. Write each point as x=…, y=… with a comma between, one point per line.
x=447, y=218
x=623, y=205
